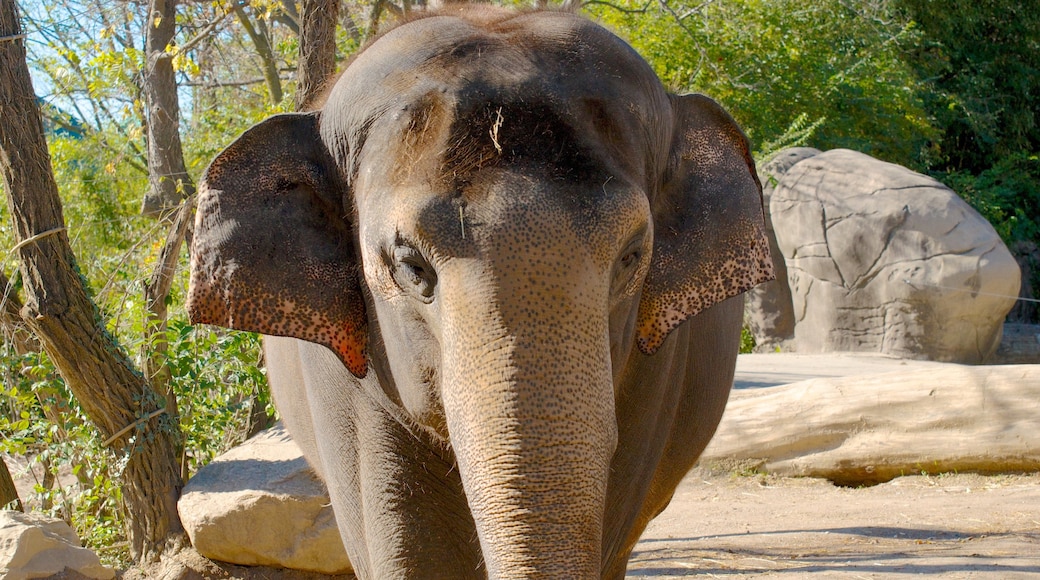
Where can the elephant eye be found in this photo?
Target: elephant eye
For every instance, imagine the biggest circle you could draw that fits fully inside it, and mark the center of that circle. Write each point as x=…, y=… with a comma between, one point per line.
x=413, y=273
x=630, y=259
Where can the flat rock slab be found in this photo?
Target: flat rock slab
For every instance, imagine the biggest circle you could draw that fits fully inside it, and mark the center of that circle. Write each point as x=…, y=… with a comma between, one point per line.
x=769, y=370
x=870, y=428
x=951, y=527
x=836, y=414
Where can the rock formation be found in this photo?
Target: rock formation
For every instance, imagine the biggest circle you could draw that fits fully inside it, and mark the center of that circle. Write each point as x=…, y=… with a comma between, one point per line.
x=768, y=306
x=261, y=504
x=36, y=546
x=879, y=259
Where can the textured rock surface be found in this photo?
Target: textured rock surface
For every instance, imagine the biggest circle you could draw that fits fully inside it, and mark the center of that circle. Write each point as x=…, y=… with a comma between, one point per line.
x=867, y=429
x=36, y=546
x=261, y=504
x=882, y=259
x=769, y=310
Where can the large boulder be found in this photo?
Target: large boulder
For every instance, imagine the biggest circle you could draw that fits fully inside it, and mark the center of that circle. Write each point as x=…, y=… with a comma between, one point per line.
x=872, y=428
x=261, y=504
x=881, y=259
x=37, y=546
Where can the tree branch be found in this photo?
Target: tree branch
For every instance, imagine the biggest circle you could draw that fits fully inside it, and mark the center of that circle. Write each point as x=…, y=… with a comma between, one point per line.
x=619, y=8
x=209, y=28
x=263, y=50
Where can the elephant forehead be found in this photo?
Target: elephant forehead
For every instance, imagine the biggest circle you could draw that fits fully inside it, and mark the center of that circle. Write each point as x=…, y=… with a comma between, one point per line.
x=488, y=76
x=514, y=46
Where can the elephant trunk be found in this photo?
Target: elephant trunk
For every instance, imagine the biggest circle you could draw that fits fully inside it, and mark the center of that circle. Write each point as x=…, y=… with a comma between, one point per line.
x=529, y=405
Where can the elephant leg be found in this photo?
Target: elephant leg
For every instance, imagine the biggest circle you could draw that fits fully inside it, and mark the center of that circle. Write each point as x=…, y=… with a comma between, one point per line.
x=714, y=341
x=285, y=380
x=398, y=499
x=703, y=356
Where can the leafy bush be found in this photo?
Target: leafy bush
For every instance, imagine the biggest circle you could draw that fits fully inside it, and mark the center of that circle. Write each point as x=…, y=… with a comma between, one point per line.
x=221, y=395
x=75, y=478
x=221, y=388
x=1007, y=194
x=979, y=63
x=771, y=61
x=747, y=341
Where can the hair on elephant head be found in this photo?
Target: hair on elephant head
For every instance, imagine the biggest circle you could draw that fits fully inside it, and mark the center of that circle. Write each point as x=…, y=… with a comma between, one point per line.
x=495, y=272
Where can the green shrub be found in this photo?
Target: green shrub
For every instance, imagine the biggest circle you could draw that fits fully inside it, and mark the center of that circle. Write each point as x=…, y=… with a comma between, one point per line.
x=1008, y=196
x=769, y=62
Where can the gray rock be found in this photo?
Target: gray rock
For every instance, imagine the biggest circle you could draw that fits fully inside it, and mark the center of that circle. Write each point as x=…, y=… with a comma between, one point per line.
x=37, y=546
x=882, y=259
x=261, y=504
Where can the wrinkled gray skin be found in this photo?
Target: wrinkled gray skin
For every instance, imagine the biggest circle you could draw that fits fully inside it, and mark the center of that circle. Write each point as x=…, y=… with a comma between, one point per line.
x=512, y=258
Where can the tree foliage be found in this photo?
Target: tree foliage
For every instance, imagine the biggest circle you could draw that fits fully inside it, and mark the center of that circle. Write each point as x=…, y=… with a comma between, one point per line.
x=979, y=67
x=772, y=61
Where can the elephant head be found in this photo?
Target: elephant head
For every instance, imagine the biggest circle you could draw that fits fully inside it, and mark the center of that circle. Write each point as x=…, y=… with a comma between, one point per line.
x=495, y=212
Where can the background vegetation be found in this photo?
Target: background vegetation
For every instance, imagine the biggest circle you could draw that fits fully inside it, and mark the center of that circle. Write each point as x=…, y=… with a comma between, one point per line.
x=948, y=87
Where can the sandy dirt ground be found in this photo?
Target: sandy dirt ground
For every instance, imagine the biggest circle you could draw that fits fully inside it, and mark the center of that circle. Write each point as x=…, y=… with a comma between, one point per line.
x=944, y=526
x=734, y=527
x=731, y=526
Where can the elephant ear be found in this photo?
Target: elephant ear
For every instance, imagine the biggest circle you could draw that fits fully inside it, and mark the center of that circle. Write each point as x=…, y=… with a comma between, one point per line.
x=709, y=233
x=273, y=249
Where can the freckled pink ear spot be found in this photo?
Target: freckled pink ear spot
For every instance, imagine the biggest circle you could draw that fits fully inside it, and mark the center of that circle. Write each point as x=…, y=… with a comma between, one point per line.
x=351, y=348
x=710, y=241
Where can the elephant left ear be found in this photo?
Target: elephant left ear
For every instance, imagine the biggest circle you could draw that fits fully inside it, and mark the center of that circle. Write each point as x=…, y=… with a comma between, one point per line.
x=709, y=233
x=273, y=248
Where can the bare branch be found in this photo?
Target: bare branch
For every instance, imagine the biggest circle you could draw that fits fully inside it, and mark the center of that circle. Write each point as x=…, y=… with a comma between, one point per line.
x=216, y=84
x=696, y=9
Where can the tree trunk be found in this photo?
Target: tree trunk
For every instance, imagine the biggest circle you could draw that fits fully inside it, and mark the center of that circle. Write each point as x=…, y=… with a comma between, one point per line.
x=317, y=50
x=8, y=493
x=156, y=292
x=116, y=397
x=167, y=176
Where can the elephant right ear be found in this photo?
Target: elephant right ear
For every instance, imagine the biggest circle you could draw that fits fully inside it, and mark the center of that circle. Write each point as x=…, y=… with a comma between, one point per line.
x=273, y=248
x=709, y=232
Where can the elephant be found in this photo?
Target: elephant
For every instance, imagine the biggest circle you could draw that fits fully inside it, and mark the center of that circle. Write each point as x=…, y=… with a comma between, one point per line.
x=497, y=272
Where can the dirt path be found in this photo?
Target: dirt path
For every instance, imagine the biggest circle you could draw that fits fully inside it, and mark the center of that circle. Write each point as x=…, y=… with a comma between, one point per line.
x=948, y=526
